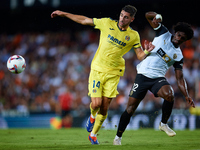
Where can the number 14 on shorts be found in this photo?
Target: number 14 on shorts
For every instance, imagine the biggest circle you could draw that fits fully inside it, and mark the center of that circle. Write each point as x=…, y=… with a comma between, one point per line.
x=96, y=84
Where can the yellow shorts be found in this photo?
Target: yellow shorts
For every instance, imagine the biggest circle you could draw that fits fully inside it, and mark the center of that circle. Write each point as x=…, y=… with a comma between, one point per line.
x=103, y=84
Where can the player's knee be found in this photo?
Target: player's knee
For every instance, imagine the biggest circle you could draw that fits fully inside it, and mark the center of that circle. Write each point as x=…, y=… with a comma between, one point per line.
x=167, y=93
x=96, y=104
x=169, y=96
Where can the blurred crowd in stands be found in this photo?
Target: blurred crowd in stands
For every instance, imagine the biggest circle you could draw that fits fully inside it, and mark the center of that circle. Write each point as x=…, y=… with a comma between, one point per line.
x=58, y=66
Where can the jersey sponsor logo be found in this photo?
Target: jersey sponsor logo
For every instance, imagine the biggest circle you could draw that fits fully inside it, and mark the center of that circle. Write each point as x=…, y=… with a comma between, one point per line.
x=111, y=28
x=112, y=39
x=164, y=56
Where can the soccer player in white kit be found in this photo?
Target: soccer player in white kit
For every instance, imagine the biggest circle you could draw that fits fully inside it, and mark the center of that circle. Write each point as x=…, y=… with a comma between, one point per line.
x=151, y=73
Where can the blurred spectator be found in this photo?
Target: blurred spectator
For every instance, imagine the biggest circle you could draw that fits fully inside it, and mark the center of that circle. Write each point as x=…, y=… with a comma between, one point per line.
x=64, y=107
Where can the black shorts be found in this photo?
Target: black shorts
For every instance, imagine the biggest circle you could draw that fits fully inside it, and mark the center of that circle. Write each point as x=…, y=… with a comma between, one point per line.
x=143, y=84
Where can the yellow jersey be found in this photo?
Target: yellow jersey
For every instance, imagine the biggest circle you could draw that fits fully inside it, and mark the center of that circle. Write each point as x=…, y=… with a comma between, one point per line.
x=113, y=44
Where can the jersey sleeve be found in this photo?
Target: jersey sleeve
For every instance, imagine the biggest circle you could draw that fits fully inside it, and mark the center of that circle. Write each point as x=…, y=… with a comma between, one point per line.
x=137, y=43
x=99, y=23
x=160, y=30
x=178, y=65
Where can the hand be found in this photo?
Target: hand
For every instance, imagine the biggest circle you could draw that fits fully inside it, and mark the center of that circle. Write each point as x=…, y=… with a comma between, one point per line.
x=148, y=46
x=157, y=19
x=57, y=13
x=190, y=101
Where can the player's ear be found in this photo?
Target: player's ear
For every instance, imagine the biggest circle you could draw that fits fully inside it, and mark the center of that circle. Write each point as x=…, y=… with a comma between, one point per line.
x=132, y=19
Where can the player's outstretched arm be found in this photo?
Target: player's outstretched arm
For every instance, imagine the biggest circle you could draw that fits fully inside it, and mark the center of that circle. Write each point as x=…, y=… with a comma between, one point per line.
x=77, y=18
x=183, y=86
x=154, y=19
x=141, y=54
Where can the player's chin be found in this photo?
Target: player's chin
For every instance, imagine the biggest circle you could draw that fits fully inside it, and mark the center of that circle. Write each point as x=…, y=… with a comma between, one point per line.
x=120, y=26
x=176, y=43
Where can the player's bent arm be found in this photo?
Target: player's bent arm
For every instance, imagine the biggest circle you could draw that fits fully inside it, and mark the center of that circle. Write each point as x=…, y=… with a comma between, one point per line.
x=140, y=53
x=182, y=85
x=154, y=19
x=76, y=18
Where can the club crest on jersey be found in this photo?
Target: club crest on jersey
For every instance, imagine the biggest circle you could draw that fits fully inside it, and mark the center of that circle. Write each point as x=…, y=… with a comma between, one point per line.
x=174, y=56
x=94, y=90
x=127, y=38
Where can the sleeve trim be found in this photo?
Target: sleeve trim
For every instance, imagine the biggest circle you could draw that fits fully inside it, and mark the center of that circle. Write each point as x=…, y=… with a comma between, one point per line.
x=157, y=27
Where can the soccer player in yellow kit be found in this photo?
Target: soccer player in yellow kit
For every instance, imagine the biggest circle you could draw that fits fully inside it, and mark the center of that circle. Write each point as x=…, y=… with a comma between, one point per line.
x=108, y=64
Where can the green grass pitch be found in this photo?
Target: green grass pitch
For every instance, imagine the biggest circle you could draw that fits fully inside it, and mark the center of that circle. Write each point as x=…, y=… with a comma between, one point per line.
x=77, y=139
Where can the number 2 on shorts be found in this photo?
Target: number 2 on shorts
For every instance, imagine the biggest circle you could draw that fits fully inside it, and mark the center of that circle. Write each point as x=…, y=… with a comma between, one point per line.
x=135, y=86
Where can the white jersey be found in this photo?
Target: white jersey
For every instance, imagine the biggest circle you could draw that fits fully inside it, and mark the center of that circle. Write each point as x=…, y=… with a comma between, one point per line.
x=161, y=57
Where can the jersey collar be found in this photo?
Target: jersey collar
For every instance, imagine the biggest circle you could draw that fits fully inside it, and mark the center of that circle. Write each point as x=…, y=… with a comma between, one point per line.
x=119, y=28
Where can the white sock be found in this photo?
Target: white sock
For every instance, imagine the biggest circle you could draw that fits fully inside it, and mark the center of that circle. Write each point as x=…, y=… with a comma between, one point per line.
x=116, y=137
x=162, y=124
x=93, y=116
x=92, y=134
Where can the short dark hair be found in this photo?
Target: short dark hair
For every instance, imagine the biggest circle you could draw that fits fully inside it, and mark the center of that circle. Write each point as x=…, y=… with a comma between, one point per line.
x=130, y=9
x=184, y=27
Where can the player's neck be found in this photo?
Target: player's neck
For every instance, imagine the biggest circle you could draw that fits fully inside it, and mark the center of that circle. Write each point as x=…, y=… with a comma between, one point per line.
x=122, y=28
